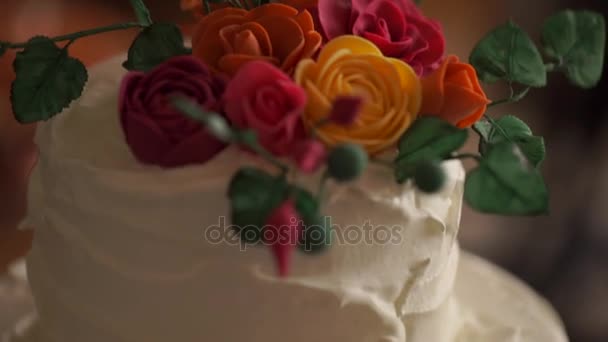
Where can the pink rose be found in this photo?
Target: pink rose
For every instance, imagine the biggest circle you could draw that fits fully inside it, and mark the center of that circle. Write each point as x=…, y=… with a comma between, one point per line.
x=155, y=131
x=263, y=98
x=397, y=27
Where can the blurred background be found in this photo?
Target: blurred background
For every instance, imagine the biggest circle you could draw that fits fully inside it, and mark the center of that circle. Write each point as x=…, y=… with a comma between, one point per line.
x=564, y=255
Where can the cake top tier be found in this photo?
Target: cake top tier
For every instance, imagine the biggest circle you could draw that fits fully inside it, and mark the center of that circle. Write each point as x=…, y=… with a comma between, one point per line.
x=321, y=87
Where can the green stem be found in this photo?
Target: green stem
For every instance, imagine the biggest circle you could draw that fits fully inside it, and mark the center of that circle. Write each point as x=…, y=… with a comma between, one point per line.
x=207, y=6
x=497, y=127
x=465, y=156
x=269, y=157
x=236, y=3
x=81, y=34
x=141, y=12
x=323, y=186
x=384, y=163
x=514, y=97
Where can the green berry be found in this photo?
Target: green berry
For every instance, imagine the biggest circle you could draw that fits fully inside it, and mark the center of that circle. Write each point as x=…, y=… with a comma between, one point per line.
x=429, y=177
x=346, y=162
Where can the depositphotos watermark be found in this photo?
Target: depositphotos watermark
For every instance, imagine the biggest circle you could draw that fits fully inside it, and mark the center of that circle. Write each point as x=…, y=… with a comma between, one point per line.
x=311, y=236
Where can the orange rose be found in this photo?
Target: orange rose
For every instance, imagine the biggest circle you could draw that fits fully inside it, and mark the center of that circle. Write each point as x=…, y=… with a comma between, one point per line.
x=453, y=93
x=229, y=37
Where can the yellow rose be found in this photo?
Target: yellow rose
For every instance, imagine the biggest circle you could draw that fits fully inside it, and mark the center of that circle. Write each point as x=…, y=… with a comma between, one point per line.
x=350, y=65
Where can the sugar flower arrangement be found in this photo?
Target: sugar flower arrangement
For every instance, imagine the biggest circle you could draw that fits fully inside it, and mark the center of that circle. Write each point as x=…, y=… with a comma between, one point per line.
x=323, y=87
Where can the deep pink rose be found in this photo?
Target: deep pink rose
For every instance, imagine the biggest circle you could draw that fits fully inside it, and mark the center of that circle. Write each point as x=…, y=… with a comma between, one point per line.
x=397, y=27
x=263, y=98
x=155, y=131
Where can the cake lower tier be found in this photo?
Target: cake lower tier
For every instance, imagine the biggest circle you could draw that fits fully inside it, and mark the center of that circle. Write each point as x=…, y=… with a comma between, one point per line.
x=487, y=305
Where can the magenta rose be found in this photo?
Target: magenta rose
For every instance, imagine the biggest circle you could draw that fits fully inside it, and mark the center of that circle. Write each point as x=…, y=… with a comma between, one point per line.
x=155, y=131
x=397, y=27
x=264, y=99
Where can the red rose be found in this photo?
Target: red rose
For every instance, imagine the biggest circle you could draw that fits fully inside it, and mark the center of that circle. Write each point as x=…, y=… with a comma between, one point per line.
x=263, y=98
x=397, y=27
x=155, y=131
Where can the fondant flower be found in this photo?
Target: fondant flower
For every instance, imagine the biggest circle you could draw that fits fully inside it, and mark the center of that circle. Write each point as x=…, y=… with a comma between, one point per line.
x=282, y=232
x=350, y=65
x=263, y=98
x=309, y=155
x=154, y=130
x=397, y=27
x=279, y=34
x=453, y=93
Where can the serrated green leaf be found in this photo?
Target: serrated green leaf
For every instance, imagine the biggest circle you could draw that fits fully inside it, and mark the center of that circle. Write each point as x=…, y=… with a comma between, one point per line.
x=141, y=12
x=154, y=45
x=504, y=183
x=533, y=147
x=429, y=138
x=577, y=39
x=253, y=195
x=47, y=81
x=507, y=53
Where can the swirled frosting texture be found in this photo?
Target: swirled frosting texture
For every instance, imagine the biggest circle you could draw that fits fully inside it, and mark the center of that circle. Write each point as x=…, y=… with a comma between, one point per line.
x=121, y=251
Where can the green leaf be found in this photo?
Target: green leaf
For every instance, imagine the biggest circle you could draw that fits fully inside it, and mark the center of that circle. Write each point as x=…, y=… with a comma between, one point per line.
x=154, y=45
x=47, y=81
x=577, y=39
x=316, y=236
x=505, y=183
x=253, y=195
x=141, y=12
x=429, y=138
x=306, y=203
x=533, y=147
x=508, y=53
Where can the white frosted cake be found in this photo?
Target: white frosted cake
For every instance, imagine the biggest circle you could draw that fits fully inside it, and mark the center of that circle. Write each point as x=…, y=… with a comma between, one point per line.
x=123, y=253
x=293, y=174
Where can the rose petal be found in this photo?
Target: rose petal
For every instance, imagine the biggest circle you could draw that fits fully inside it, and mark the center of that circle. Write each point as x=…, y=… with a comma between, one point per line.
x=335, y=17
x=386, y=12
x=250, y=77
x=231, y=64
x=309, y=155
x=146, y=140
x=128, y=86
x=270, y=103
x=196, y=149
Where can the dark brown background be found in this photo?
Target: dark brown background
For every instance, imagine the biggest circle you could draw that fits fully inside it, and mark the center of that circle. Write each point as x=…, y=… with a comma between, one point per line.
x=564, y=255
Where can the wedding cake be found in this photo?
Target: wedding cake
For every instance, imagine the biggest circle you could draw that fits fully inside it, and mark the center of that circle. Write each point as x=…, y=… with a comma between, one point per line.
x=127, y=252
x=277, y=182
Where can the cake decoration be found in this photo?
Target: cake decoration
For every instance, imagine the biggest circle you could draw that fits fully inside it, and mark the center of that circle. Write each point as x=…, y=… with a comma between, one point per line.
x=322, y=87
x=155, y=131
